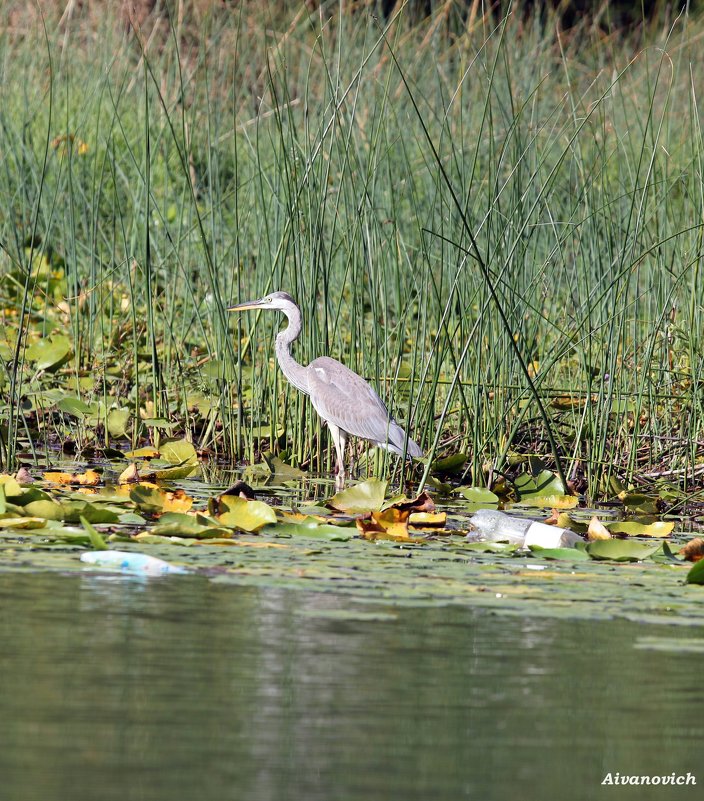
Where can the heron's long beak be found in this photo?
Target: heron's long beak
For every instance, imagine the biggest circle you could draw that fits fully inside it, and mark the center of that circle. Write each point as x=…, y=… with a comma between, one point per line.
x=250, y=304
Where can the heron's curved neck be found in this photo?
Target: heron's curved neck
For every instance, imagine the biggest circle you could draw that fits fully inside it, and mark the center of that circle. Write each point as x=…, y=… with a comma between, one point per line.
x=295, y=372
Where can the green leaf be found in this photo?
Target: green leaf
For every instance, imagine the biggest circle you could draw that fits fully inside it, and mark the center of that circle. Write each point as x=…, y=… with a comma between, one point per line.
x=148, y=452
x=696, y=573
x=117, y=422
x=450, y=464
x=22, y=522
x=638, y=502
x=661, y=528
x=479, y=496
x=74, y=510
x=178, y=451
x=3, y=500
x=176, y=472
x=367, y=496
x=265, y=432
x=11, y=486
x=538, y=500
x=311, y=529
x=49, y=353
x=243, y=514
x=28, y=495
x=621, y=550
x=159, y=422
x=280, y=469
x=147, y=499
x=132, y=519
x=561, y=554
x=48, y=509
x=440, y=486
x=96, y=538
x=543, y=483
x=178, y=524
x=75, y=407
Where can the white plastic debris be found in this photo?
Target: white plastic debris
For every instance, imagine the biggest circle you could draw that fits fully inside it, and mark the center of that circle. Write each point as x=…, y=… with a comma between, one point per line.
x=491, y=525
x=138, y=563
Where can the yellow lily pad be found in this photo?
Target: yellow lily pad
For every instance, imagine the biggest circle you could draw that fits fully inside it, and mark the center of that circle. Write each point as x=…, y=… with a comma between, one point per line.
x=22, y=522
x=427, y=519
x=367, y=496
x=661, y=528
x=88, y=479
x=11, y=486
x=550, y=501
x=178, y=451
x=243, y=514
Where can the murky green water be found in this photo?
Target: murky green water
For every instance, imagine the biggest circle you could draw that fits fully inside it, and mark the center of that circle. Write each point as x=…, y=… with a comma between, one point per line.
x=188, y=689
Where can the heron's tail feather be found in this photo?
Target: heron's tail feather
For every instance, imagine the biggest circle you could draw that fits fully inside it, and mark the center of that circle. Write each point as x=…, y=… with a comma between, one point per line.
x=396, y=440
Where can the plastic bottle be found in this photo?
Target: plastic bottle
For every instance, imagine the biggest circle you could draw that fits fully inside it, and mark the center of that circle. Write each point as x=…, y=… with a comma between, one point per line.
x=494, y=526
x=140, y=564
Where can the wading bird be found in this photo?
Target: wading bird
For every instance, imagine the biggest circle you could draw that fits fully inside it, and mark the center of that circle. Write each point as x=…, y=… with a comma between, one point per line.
x=344, y=400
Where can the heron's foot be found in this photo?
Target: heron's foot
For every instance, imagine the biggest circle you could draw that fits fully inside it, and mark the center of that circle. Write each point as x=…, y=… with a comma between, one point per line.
x=339, y=479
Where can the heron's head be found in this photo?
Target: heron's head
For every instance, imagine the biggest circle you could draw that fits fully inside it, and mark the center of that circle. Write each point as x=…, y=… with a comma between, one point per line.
x=280, y=301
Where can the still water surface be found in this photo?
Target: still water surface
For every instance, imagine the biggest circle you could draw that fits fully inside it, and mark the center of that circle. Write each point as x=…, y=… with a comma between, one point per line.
x=182, y=688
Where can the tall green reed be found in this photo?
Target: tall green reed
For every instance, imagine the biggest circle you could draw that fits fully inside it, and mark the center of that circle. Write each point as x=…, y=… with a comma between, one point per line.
x=285, y=152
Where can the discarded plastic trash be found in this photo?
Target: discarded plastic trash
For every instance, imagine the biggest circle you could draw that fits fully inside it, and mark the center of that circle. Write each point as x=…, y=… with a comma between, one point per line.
x=493, y=526
x=138, y=563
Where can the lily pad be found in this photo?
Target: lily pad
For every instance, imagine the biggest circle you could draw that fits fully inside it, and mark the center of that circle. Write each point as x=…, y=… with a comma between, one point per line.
x=75, y=510
x=549, y=501
x=479, y=497
x=178, y=524
x=280, y=469
x=450, y=464
x=22, y=522
x=561, y=554
x=310, y=529
x=75, y=407
x=660, y=528
x=621, y=550
x=117, y=422
x=148, y=499
x=154, y=500
x=28, y=495
x=50, y=352
x=243, y=514
x=695, y=574
x=11, y=486
x=148, y=452
x=542, y=483
x=178, y=451
x=48, y=509
x=367, y=496
x=391, y=524
x=427, y=519
x=175, y=473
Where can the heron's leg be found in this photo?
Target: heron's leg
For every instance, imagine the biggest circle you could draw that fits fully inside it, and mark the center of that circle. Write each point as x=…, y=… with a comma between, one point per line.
x=339, y=437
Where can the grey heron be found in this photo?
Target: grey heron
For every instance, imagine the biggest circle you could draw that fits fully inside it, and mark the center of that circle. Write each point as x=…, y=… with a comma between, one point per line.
x=343, y=399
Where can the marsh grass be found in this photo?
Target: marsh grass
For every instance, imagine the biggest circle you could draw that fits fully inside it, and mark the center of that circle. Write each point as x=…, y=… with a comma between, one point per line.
x=496, y=223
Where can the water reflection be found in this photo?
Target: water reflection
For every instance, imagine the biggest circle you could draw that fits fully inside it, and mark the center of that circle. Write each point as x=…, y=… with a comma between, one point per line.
x=190, y=689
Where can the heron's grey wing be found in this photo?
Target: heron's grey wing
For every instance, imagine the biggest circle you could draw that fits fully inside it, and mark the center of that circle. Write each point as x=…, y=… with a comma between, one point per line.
x=345, y=399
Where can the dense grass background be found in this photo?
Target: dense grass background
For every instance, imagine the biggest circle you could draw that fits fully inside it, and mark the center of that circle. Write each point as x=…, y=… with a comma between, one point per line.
x=403, y=178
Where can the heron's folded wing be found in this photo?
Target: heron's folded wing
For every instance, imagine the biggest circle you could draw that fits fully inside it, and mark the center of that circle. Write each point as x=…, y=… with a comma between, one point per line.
x=346, y=400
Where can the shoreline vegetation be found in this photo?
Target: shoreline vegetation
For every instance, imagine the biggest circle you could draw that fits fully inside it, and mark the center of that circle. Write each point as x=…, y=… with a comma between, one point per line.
x=496, y=220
